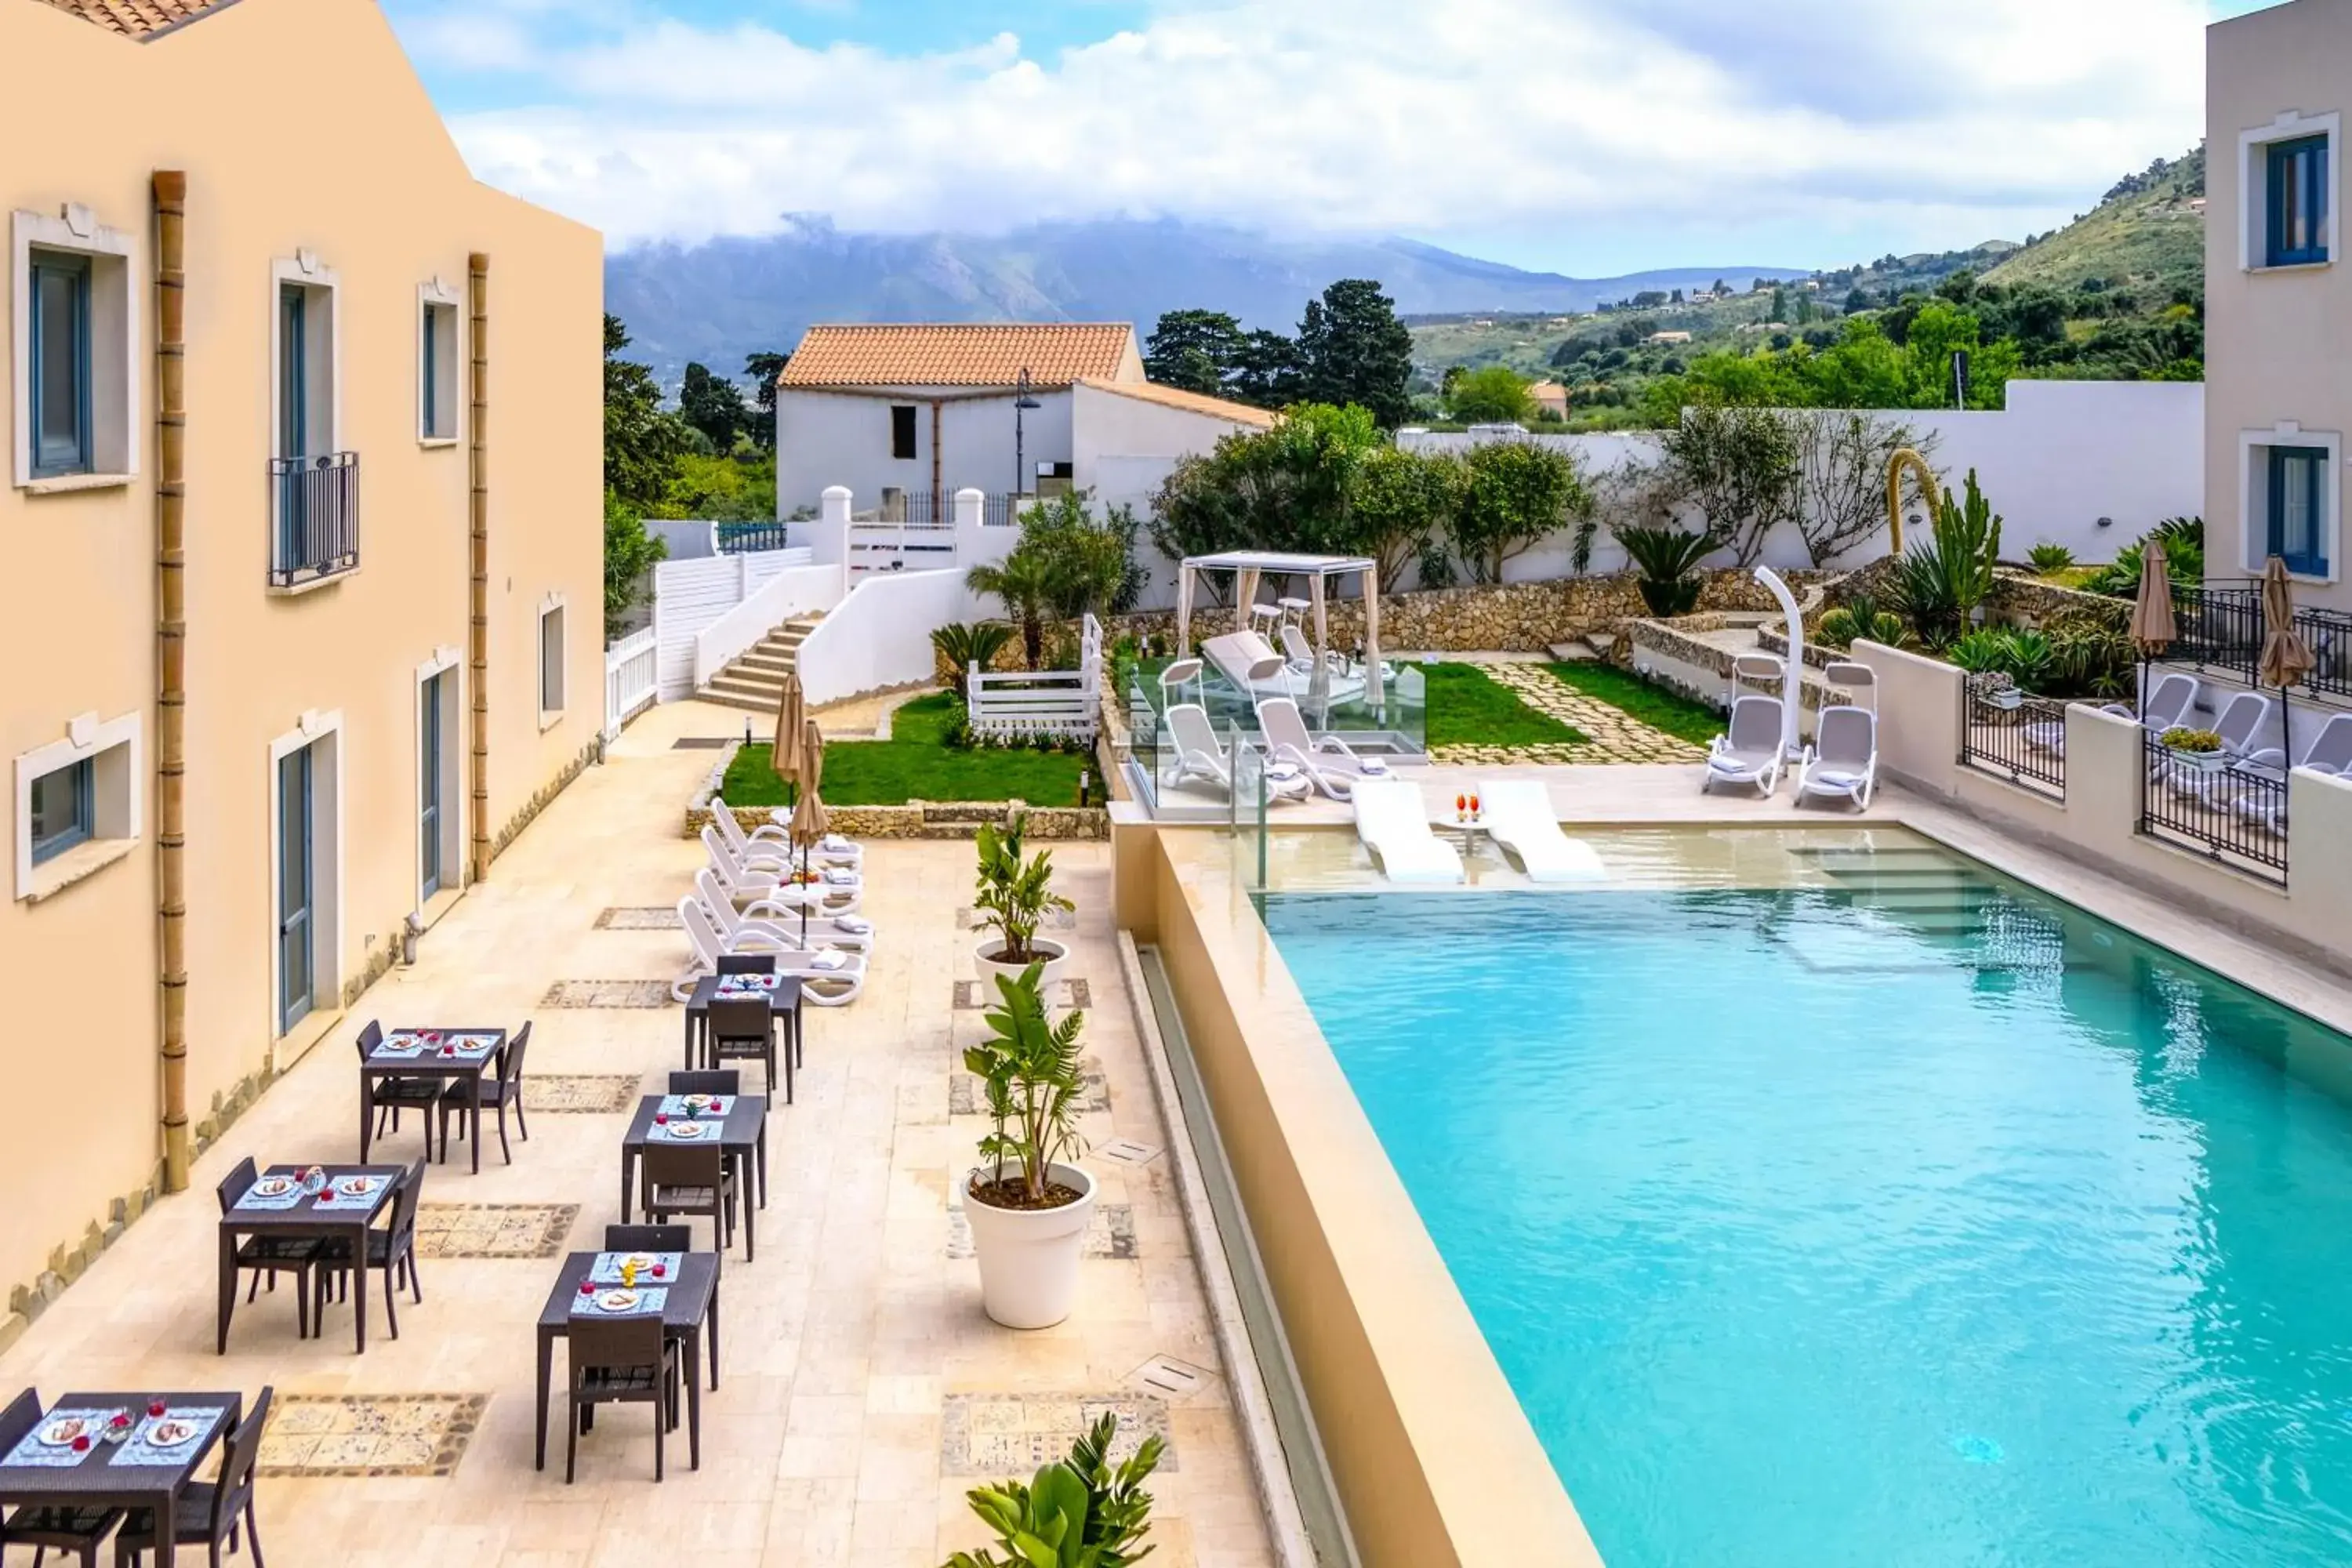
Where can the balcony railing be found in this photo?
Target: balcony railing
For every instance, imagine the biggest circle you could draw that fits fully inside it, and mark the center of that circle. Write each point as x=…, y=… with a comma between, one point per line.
x=2221, y=628
x=315, y=532
x=751, y=538
x=2237, y=816
x=2018, y=738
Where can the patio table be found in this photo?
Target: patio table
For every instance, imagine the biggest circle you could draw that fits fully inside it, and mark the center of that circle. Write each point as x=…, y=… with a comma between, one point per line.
x=310, y=1216
x=406, y=1053
x=127, y=1476
x=742, y=1134
x=785, y=1000
x=689, y=1300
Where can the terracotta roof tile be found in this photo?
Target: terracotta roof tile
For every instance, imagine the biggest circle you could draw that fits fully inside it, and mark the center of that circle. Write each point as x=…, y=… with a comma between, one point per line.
x=1191, y=402
x=139, y=18
x=1055, y=354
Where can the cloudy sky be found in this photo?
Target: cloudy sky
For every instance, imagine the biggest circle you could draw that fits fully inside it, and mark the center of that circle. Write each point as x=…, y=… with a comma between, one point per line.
x=1583, y=136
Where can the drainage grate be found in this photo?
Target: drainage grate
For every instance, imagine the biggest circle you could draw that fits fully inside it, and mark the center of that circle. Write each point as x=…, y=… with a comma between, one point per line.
x=647, y=994
x=973, y=995
x=700, y=743
x=1169, y=1378
x=664, y=919
x=1125, y=1151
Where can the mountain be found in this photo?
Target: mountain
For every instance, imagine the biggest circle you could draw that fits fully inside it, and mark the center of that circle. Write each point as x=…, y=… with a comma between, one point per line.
x=2149, y=231
x=721, y=299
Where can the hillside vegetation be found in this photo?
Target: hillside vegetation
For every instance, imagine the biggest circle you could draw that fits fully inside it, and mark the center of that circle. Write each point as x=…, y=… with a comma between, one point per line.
x=2118, y=294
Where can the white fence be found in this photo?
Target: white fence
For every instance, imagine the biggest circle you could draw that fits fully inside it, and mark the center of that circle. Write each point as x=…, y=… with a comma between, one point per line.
x=630, y=683
x=870, y=546
x=1041, y=703
x=794, y=591
x=690, y=596
x=880, y=635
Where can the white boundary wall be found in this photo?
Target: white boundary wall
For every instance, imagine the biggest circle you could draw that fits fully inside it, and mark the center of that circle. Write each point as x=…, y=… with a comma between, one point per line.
x=690, y=595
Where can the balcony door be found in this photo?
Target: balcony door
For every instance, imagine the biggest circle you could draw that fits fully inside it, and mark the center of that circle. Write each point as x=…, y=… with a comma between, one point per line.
x=430, y=741
x=297, y=890
x=293, y=420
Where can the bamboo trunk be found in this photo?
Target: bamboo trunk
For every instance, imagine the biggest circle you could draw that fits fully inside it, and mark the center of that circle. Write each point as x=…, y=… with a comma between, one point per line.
x=478, y=652
x=171, y=193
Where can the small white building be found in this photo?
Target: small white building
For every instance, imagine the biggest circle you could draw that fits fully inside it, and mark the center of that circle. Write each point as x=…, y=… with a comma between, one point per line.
x=905, y=415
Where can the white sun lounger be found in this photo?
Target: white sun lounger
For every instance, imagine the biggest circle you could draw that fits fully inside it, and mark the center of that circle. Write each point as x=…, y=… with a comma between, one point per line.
x=830, y=978
x=2174, y=696
x=1328, y=762
x=2244, y=723
x=774, y=837
x=1843, y=761
x=2328, y=751
x=1200, y=755
x=840, y=891
x=1394, y=825
x=1518, y=816
x=1750, y=752
x=777, y=922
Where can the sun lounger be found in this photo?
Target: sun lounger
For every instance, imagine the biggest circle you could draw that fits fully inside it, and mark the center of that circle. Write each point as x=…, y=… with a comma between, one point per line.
x=778, y=923
x=2244, y=724
x=1518, y=816
x=1750, y=753
x=1394, y=825
x=1200, y=755
x=1843, y=761
x=1327, y=762
x=830, y=978
x=2173, y=697
x=839, y=891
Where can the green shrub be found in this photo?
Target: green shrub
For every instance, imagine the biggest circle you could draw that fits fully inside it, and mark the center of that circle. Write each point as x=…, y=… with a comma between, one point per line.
x=2183, y=539
x=1860, y=617
x=1080, y=1513
x=2047, y=558
x=1984, y=651
x=2181, y=739
x=1666, y=560
x=2090, y=657
x=961, y=646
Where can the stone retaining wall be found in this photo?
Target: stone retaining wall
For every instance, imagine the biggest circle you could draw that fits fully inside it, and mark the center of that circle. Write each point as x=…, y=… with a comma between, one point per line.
x=2030, y=602
x=1515, y=617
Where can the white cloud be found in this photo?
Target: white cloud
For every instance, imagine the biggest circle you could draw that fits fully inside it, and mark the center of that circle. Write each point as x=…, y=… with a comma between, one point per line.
x=1947, y=119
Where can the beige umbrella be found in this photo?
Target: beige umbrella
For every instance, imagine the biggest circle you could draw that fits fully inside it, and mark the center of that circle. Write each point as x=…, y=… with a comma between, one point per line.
x=810, y=821
x=2152, y=626
x=792, y=717
x=2286, y=658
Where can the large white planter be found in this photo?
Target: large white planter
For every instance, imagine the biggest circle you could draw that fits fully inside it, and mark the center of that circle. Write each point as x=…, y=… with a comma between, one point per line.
x=1056, y=954
x=1029, y=1257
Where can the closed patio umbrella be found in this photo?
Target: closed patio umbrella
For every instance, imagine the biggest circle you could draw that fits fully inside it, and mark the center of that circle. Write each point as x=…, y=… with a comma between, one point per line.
x=2152, y=626
x=792, y=715
x=2286, y=658
x=810, y=820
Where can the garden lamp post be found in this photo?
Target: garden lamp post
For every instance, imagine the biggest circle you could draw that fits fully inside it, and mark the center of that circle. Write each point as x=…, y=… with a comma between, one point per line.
x=1021, y=404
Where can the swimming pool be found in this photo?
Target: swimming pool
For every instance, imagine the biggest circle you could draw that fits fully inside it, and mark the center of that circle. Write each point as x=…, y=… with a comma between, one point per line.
x=1901, y=1216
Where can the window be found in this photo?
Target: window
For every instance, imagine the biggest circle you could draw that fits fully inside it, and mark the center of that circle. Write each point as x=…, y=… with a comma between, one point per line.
x=2298, y=507
x=436, y=370
x=902, y=434
x=551, y=660
x=78, y=805
x=71, y=370
x=2297, y=202
x=62, y=808
x=59, y=383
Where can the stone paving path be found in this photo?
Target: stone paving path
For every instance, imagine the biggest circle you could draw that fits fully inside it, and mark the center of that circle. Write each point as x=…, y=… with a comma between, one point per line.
x=1616, y=737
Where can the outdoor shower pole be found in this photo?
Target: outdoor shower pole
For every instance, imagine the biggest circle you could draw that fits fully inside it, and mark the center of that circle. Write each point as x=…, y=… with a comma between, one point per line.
x=1793, y=673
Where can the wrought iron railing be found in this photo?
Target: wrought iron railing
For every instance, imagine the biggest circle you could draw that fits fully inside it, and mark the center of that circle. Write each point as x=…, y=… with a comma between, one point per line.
x=315, y=532
x=2222, y=628
x=2235, y=814
x=2014, y=737
x=750, y=537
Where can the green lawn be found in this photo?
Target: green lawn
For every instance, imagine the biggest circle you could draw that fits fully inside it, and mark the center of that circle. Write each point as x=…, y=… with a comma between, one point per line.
x=915, y=764
x=1468, y=708
x=1657, y=707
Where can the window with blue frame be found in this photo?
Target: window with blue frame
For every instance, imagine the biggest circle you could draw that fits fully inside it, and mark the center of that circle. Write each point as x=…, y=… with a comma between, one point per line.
x=2298, y=520
x=2297, y=202
x=59, y=389
x=63, y=809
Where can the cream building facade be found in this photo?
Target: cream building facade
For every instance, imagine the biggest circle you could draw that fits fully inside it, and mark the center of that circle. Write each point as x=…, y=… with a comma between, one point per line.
x=2278, y=297
x=301, y=511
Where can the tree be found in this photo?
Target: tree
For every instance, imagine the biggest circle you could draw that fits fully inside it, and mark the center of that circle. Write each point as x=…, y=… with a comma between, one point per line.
x=1089, y=566
x=1268, y=370
x=1491, y=394
x=1845, y=458
x=714, y=405
x=642, y=443
x=1513, y=494
x=1288, y=489
x=763, y=368
x=1403, y=502
x=1024, y=584
x=1198, y=350
x=1354, y=350
x=629, y=553
x=1740, y=466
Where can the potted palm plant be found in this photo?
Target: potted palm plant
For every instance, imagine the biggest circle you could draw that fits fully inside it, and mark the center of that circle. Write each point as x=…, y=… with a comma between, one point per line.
x=1013, y=897
x=1028, y=1209
x=1080, y=1512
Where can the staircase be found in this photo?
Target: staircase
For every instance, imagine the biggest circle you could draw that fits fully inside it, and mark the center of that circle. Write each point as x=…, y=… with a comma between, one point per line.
x=755, y=680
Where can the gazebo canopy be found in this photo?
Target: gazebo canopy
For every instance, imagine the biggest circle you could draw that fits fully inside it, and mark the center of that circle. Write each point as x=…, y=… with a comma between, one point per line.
x=1249, y=566
x=1265, y=561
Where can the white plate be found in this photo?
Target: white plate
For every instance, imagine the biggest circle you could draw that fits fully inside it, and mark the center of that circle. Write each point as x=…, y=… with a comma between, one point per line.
x=619, y=1300
x=61, y=1434
x=686, y=1128
x=172, y=1434
x=273, y=1186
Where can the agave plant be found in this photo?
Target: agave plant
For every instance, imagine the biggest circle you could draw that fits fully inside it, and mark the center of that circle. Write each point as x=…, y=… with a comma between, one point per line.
x=2183, y=539
x=1858, y=618
x=1984, y=651
x=2048, y=559
x=962, y=645
x=2091, y=656
x=1667, y=560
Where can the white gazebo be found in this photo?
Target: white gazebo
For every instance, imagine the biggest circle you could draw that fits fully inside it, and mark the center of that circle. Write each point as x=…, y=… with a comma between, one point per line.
x=1245, y=656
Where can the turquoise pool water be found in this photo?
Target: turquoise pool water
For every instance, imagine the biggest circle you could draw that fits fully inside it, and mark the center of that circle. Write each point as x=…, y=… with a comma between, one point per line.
x=1907, y=1220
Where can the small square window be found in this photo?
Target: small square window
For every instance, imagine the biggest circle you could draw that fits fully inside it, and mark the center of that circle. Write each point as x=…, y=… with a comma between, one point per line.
x=436, y=375
x=551, y=660
x=902, y=434
x=64, y=809
x=2296, y=202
